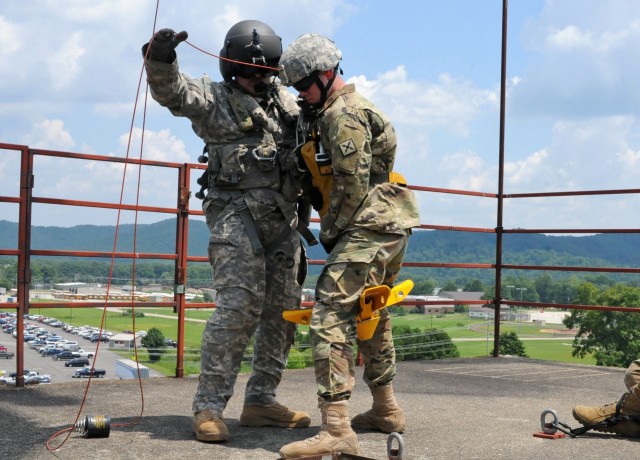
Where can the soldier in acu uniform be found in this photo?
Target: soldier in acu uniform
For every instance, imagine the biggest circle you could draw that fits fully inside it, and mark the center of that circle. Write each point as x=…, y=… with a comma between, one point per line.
x=248, y=125
x=366, y=219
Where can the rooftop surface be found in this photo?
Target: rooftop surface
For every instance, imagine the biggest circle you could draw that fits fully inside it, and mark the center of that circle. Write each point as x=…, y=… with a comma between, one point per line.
x=483, y=408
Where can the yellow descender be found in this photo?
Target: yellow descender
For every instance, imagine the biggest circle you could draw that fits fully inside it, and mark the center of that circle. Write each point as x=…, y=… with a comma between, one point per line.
x=372, y=300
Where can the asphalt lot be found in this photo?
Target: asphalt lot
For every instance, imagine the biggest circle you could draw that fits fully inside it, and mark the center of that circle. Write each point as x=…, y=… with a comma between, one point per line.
x=33, y=361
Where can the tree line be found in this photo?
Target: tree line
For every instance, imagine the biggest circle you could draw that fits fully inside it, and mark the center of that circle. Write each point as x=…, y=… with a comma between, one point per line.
x=612, y=337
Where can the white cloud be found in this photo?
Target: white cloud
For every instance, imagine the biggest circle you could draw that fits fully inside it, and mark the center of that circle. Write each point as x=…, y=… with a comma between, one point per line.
x=161, y=146
x=65, y=65
x=585, y=61
x=50, y=134
x=570, y=37
x=450, y=103
x=9, y=39
x=466, y=171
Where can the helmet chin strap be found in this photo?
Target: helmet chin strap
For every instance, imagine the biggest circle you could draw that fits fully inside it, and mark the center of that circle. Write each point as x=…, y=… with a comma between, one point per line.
x=324, y=89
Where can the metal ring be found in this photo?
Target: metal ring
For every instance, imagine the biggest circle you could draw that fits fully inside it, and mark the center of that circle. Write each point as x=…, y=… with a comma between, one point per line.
x=543, y=422
x=390, y=439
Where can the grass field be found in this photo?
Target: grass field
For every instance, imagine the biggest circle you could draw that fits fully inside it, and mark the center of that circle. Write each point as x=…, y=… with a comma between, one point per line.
x=473, y=337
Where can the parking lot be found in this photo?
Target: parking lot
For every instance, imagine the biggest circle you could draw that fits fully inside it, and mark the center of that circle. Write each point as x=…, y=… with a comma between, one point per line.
x=34, y=361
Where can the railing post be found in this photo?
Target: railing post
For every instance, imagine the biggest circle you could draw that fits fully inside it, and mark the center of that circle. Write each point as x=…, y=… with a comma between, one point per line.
x=499, y=228
x=182, y=237
x=24, y=256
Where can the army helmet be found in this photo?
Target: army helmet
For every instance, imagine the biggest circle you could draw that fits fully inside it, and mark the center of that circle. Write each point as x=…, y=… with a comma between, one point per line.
x=249, y=41
x=307, y=54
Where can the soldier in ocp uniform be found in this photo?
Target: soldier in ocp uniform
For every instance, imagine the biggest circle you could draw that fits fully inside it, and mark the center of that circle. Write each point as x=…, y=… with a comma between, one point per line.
x=366, y=218
x=628, y=406
x=248, y=125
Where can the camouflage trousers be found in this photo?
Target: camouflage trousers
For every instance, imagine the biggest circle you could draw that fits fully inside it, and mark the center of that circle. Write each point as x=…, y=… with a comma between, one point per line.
x=632, y=376
x=252, y=291
x=361, y=259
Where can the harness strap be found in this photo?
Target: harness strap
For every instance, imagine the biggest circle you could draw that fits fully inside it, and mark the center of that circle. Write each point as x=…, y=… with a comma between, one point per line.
x=608, y=422
x=253, y=232
x=393, y=177
x=375, y=179
x=306, y=233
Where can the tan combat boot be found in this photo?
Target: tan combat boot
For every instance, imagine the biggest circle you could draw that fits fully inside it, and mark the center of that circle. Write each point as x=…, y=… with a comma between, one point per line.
x=629, y=404
x=274, y=415
x=335, y=434
x=209, y=426
x=385, y=415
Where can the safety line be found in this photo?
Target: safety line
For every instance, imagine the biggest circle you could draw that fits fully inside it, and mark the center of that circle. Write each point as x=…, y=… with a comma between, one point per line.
x=70, y=429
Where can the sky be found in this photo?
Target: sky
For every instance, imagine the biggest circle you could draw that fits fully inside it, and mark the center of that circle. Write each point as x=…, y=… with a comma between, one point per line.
x=70, y=70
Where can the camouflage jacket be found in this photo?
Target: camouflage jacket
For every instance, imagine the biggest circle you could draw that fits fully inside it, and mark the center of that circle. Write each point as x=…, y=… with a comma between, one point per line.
x=237, y=129
x=362, y=144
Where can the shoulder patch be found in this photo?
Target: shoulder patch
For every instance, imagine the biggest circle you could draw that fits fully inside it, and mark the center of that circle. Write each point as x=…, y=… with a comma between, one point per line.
x=347, y=147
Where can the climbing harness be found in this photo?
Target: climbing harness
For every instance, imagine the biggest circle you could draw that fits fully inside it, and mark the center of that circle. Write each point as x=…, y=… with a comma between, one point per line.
x=372, y=300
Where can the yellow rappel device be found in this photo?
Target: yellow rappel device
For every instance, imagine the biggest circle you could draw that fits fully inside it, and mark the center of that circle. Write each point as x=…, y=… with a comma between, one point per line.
x=372, y=300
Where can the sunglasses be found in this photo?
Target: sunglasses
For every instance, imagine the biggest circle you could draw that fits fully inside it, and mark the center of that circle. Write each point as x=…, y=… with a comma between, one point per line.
x=305, y=83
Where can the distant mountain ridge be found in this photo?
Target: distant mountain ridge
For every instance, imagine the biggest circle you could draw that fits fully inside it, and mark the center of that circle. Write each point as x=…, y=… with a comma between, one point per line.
x=602, y=250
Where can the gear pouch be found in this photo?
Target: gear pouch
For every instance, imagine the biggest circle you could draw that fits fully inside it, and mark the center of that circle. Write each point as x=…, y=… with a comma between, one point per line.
x=231, y=164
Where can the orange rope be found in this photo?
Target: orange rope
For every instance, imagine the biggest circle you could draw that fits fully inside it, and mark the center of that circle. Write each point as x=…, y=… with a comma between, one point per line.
x=70, y=429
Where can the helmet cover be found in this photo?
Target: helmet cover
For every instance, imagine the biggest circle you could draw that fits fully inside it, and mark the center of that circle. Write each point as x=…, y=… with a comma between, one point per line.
x=307, y=54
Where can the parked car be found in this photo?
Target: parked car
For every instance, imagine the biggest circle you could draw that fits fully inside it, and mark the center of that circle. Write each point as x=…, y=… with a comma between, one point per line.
x=37, y=379
x=69, y=345
x=170, y=343
x=77, y=362
x=86, y=372
x=6, y=354
x=37, y=343
x=50, y=351
x=66, y=354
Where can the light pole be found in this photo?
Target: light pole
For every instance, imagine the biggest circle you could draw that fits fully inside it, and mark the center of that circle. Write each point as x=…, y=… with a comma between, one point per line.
x=519, y=322
x=510, y=296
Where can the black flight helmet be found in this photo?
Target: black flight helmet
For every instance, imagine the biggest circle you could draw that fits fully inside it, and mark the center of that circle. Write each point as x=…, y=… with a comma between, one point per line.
x=252, y=42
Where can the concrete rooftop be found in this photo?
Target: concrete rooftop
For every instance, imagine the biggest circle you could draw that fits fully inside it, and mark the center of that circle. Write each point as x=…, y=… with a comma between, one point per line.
x=484, y=408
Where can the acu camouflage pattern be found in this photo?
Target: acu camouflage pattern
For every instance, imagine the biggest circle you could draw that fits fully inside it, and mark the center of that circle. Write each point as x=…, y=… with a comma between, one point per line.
x=252, y=290
x=369, y=223
x=307, y=54
x=251, y=294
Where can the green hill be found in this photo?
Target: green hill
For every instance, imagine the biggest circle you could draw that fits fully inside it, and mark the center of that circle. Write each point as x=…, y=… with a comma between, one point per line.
x=602, y=250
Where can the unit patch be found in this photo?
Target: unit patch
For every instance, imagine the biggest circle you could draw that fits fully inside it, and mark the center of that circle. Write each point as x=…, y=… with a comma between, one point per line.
x=347, y=147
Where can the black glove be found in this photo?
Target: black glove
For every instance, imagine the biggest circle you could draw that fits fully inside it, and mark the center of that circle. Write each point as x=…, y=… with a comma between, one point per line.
x=163, y=44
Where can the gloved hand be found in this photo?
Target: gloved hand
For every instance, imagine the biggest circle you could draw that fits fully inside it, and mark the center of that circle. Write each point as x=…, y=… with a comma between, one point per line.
x=163, y=44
